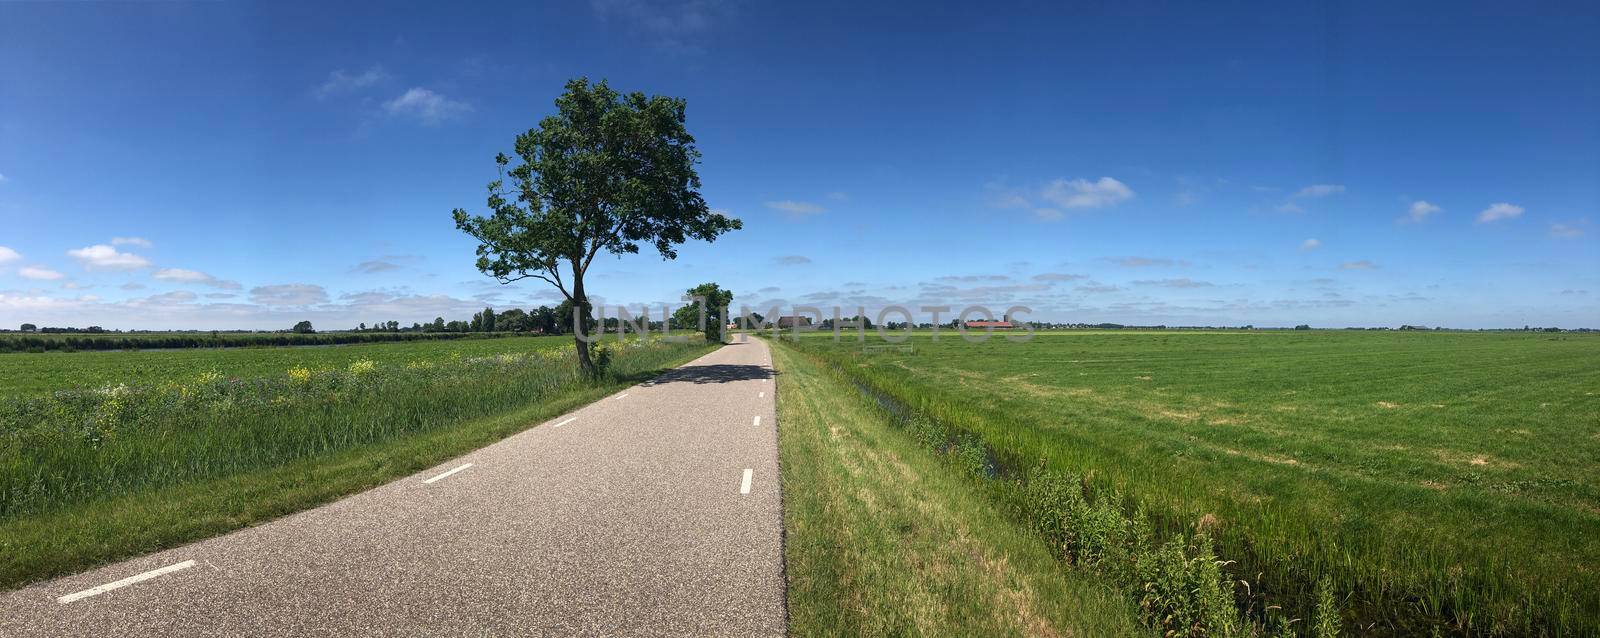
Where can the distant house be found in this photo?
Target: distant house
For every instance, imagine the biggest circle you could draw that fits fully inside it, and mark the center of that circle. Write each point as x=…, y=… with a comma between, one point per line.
x=983, y=325
x=793, y=321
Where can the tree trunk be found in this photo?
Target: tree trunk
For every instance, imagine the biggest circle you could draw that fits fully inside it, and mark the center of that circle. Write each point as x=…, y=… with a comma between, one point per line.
x=580, y=320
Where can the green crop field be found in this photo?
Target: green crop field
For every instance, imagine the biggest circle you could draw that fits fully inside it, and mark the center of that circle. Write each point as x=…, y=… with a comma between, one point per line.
x=33, y=373
x=1440, y=481
x=110, y=454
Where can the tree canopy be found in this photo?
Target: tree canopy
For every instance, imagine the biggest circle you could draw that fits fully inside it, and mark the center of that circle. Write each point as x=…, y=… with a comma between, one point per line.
x=717, y=301
x=607, y=173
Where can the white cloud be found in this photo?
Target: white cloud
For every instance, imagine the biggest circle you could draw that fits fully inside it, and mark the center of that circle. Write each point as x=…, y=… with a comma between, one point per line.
x=1290, y=207
x=176, y=296
x=103, y=257
x=8, y=255
x=1082, y=193
x=677, y=26
x=375, y=266
x=1057, y=276
x=42, y=274
x=1183, y=282
x=1358, y=265
x=341, y=81
x=796, y=209
x=2, y=177
x=289, y=295
x=131, y=241
x=425, y=105
x=1311, y=244
x=1499, y=211
x=1320, y=190
x=839, y=196
x=1419, y=211
x=1567, y=231
x=1139, y=262
x=791, y=260
x=180, y=275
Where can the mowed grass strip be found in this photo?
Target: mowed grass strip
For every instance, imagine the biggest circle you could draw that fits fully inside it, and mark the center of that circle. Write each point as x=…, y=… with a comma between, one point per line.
x=137, y=485
x=882, y=538
x=1441, y=481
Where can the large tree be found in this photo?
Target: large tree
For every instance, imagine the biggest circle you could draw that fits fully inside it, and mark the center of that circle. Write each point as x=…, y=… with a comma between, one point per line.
x=716, y=302
x=606, y=173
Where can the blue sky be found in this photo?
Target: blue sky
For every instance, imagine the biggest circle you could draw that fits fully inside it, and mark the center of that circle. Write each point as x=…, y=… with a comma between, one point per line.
x=231, y=165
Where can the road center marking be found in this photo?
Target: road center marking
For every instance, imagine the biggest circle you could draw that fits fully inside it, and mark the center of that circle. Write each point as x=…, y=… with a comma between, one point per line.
x=756, y=422
x=564, y=422
x=447, y=474
x=761, y=395
x=125, y=582
x=622, y=396
x=744, y=486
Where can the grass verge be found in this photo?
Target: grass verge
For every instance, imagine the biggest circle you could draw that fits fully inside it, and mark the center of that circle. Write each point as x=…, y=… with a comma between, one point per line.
x=72, y=534
x=883, y=537
x=1438, y=483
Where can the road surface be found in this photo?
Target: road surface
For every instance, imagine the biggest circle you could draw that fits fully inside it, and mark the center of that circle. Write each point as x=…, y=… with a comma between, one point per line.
x=654, y=511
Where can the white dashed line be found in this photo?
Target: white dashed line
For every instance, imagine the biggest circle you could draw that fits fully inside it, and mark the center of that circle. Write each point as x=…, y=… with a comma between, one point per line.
x=564, y=422
x=761, y=395
x=744, y=486
x=756, y=422
x=622, y=396
x=447, y=474
x=125, y=582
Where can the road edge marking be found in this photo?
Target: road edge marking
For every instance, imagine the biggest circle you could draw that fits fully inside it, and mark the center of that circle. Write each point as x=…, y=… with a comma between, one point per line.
x=744, y=485
x=622, y=396
x=447, y=474
x=564, y=422
x=137, y=578
x=757, y=421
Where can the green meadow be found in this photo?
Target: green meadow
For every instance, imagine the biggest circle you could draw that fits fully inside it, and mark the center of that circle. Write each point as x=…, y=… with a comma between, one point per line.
x=33, y=373
x=105, y=455
x=1441, y=482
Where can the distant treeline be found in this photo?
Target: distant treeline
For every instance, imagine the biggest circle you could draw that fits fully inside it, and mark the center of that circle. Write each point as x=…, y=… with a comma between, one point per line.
x=67, y=342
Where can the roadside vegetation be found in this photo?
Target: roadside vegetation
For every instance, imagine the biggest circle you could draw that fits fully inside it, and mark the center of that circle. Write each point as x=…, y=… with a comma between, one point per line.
x=884, y=537
x=93, y=475
x=42, y=373
x=71, y=342
x=1418, y=483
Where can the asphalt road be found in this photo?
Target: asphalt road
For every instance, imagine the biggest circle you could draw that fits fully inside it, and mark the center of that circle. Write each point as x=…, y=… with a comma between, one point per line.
x=634, y=517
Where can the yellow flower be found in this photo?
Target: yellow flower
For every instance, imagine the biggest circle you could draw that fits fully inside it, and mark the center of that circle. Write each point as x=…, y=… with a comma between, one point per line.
x=209, y=377
x=363, y=366
x=300, y=374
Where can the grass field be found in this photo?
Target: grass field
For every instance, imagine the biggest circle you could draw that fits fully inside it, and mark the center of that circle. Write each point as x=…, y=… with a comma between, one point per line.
x=37, y=342
x=33, y=373
x=884, y=539
x=1439, y=481
x=196, y=443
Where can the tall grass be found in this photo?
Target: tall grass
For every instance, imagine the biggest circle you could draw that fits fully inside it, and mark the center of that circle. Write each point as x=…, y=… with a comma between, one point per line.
x=69, y=342
x=1178, y=584
x=78, y=446
x=1296, y=557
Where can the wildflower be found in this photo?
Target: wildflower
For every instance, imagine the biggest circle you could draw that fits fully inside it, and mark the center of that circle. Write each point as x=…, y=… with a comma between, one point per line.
x=363, y=366
x=300, y=375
